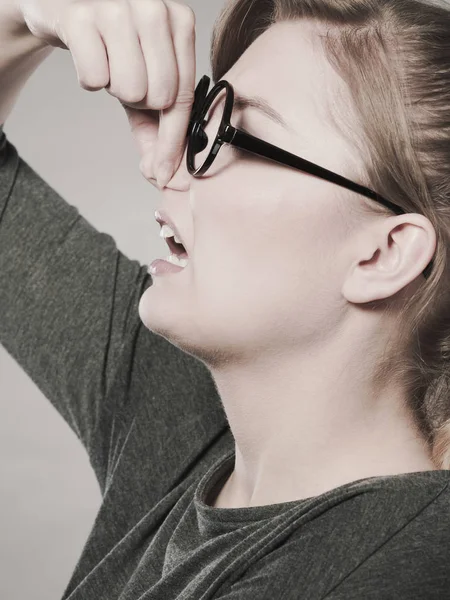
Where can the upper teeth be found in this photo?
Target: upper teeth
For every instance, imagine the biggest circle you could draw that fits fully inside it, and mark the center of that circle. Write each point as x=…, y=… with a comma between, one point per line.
x=167, y=232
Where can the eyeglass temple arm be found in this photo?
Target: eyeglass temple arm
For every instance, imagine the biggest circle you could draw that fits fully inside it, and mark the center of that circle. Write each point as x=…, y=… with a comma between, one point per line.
x=244, y=140
x=252, y=144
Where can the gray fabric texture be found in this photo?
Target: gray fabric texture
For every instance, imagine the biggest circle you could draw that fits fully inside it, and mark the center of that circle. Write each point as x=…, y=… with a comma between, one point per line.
x=152, y=424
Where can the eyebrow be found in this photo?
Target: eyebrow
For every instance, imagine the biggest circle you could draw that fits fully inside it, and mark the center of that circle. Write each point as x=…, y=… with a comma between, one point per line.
x=241, y=101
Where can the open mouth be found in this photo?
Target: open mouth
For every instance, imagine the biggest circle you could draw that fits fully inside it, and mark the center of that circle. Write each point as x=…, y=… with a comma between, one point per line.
x=176, y=248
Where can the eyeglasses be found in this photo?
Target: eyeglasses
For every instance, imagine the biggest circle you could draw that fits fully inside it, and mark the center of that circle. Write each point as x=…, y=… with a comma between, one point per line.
x=210, y=128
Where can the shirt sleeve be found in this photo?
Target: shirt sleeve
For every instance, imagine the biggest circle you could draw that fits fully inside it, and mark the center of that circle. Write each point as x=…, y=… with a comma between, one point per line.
x=69, y=317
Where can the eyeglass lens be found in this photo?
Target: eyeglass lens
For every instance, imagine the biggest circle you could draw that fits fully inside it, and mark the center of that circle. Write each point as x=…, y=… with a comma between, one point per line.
x=211, y=117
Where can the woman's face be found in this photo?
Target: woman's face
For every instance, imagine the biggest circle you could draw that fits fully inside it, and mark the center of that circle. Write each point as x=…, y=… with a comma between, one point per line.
x=266, y=242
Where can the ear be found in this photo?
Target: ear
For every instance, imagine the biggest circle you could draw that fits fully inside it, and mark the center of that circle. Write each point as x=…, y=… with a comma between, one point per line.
x=395, y=252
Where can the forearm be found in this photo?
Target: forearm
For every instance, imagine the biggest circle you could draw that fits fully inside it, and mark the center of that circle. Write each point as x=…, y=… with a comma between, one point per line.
x=20, y=55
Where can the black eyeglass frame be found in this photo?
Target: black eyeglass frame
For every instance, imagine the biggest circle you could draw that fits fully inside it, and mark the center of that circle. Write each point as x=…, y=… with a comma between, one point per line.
x=228, y=134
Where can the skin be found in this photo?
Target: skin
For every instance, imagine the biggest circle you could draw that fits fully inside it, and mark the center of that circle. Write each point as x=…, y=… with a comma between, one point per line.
x=272, y=300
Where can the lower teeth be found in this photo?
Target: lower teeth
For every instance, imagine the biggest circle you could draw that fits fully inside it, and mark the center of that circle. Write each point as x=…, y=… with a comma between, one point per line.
x=175, y=260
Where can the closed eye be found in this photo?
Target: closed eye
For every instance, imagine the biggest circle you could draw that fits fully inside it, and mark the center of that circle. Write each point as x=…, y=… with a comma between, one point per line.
x=240, y=152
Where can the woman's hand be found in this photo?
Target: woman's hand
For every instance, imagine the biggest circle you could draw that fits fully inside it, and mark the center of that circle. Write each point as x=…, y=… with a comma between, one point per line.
x=142, y=52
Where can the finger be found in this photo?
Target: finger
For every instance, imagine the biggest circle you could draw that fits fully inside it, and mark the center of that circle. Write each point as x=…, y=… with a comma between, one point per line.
x=86, y=47
x=127, y=70
x=174, y=121
x=151, y=21
x=144, y=128
x=143, y=125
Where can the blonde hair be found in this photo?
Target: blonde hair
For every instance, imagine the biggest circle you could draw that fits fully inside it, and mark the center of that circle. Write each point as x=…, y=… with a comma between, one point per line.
x=394, y=57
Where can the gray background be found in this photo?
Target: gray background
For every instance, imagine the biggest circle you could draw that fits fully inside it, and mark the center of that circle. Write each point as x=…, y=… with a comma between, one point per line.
x=80, y=143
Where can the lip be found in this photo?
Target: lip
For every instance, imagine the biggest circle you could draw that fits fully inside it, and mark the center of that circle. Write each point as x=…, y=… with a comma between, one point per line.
x=163, y=219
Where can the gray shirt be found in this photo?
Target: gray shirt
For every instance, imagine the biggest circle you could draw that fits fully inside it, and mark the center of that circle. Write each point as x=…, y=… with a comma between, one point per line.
x=158, y=440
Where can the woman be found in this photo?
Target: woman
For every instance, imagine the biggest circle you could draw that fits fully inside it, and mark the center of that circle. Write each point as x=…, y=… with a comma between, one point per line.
x=269, y=420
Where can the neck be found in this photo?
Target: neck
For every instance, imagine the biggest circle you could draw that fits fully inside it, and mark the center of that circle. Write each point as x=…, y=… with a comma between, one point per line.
x=302, y=428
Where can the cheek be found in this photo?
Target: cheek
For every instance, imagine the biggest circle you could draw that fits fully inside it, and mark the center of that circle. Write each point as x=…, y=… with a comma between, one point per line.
x=261, y=225
x=240, y=260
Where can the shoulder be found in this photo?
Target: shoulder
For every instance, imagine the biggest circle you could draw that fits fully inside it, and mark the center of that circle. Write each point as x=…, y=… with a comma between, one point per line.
x=413, y=562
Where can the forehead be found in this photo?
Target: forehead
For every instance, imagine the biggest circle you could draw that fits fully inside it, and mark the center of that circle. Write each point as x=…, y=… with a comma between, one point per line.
x=287, y=66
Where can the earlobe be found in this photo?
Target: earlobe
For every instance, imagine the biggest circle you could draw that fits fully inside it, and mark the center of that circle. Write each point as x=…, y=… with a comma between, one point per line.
x=400, y=250
x=366, y=282
x=369, y=284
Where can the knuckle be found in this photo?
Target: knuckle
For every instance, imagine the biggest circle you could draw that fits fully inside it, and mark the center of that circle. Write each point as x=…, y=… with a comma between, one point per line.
x=134, y=96
x=163, y=94
x=161, y=101
x=80, y=10
x=129, y=96
x=91, y=85
x=112, y=11
x=185, y=98
x=154, y=10
x=186, y=15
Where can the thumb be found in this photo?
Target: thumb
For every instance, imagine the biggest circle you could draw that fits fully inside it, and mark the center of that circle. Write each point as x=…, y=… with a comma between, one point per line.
x=144, y=124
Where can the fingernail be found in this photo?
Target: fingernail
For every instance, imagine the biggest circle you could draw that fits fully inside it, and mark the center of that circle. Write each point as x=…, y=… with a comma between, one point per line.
x=164, y=174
